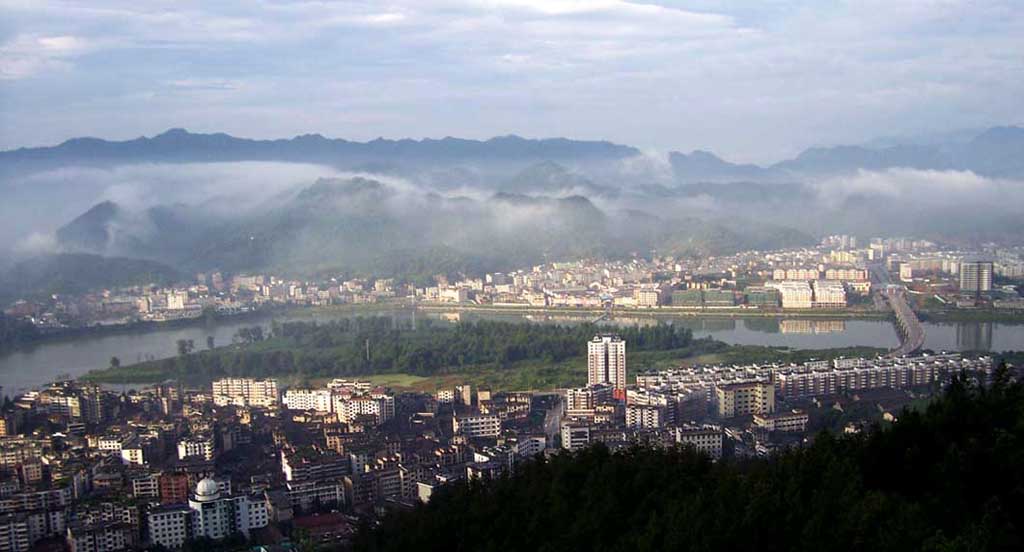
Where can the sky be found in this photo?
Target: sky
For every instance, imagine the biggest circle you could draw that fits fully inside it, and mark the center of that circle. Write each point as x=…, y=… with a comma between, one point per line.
x=750, y=80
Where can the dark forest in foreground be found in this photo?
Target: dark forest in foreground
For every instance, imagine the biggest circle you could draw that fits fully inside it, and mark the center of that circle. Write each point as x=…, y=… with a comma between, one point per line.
x=949, y=478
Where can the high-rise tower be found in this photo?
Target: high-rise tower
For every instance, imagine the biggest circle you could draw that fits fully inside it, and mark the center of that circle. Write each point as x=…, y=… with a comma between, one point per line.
x=606, y=362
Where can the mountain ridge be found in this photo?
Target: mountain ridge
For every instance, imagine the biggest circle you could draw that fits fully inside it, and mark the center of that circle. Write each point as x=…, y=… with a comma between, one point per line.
x=180, y=145
x=997, y=151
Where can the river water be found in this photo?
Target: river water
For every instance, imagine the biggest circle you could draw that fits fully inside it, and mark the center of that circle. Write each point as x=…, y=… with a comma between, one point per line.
x=36, y=366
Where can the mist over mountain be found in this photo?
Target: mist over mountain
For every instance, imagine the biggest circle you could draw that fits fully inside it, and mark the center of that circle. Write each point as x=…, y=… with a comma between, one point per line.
x=365, y=226
x=307, y=204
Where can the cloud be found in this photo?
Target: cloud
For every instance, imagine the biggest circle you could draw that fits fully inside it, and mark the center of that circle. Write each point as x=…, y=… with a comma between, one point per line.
x=36, y=243
x=26, y=55
x=752, y=81
x=927, y=187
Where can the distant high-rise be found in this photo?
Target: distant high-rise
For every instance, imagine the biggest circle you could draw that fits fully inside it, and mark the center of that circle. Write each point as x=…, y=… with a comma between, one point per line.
x=976, y=276
x=606, y=362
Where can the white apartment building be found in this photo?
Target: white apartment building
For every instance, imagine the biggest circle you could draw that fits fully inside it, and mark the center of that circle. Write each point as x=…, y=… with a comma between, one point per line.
x=218, y=517
x=737, y=399
x=528, y=446
x=210, y=512
x=790, y=421
x=707, y=439
x=575, y=436
x=146, y=486
x=170, y=525
x=474, y=426
x=829, y=294
x=133, y=453
x=846, y=274
x=176, y=300
x=379, y=405
x=796, y=274
x=976, y=276
x=645, y=417
x=582, y=400
x=795, y=294
x=99, y=537
x=318, y=400
x=245, y=392
x=445, y=396
x=196, y=445
x=606, y=361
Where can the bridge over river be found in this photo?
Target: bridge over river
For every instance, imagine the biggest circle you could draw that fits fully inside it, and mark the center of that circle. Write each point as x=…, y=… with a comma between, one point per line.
x=908, y=326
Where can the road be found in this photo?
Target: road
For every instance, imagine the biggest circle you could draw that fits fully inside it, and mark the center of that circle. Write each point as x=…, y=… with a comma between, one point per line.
x=553, y=419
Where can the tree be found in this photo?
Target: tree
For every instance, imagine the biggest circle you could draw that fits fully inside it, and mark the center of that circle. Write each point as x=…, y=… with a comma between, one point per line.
x=115, y=362
x=948, y=478
x=185, y=346
x=209, y=342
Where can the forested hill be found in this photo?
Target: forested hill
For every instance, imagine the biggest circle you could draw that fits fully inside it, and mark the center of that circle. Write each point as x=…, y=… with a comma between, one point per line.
x=946, y=479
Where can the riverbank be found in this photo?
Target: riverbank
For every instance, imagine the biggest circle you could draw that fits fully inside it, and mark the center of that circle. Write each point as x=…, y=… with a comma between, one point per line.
x=659, y=312
x=965, y=315
x=59, y=335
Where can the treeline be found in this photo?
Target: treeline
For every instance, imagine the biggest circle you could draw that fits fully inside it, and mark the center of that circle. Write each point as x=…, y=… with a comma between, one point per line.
x=945, y=479
x=377, y=345
x=15, y=332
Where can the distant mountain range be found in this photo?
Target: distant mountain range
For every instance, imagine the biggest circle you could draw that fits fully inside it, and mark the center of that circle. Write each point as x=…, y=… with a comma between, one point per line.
x=180, y=146
x=996, y=152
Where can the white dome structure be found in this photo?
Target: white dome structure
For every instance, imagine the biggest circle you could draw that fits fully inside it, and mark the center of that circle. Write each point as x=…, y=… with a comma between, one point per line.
x=207, y=490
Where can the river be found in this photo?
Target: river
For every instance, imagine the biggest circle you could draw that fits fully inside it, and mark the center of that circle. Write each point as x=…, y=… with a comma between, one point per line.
x=38, y=365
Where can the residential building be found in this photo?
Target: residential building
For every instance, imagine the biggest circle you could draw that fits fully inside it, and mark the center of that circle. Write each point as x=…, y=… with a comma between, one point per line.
x=645, y=417
x=170, y=525
x=245, y=392
x=474, y=426
x=199, y=445
x=738, y=399
x=583, y=400
x=790, y=421
x=829, y=294
x=575, y=436
x=795, y=294
x=318, y=400
x=217, y=517
x=606, y=362
x=976, y=276
x=707, y=439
